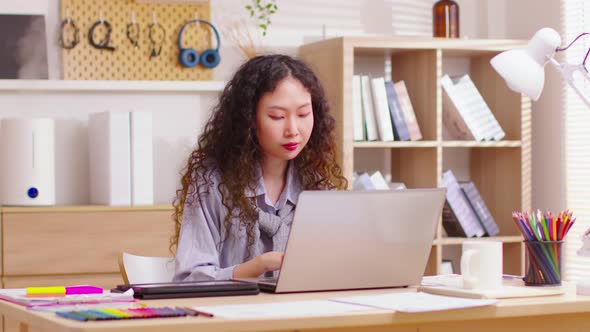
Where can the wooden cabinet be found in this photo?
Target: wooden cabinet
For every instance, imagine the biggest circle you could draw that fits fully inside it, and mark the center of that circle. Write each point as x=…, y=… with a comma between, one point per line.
x=501, y=170
x=49, y=246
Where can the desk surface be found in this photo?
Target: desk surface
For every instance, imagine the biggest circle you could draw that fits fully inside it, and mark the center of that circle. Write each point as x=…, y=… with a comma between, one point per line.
x=510, y=312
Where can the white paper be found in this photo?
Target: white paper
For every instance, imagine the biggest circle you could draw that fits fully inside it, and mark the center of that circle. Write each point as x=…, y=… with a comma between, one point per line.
x=452, y=285
x=414, y=302
x=282, y=309
x=19, y=296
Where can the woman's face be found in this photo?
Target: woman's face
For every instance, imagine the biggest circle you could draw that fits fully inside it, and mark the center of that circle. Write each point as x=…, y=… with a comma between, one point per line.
x=284, y=120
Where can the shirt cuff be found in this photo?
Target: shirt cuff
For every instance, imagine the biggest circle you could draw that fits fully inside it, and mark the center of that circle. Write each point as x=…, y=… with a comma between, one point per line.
x=225, y=273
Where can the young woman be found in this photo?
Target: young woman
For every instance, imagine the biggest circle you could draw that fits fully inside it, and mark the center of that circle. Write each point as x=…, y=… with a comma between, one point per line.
x=269, y=138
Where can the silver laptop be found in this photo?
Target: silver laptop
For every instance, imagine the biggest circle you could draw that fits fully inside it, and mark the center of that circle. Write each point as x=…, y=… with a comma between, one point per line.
x=358, y=239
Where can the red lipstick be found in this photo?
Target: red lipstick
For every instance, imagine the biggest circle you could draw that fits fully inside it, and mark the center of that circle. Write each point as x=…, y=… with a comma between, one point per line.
x=290, y=146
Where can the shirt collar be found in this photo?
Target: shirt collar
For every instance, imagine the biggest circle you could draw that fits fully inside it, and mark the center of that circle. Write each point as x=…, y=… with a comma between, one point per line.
x=290, y=192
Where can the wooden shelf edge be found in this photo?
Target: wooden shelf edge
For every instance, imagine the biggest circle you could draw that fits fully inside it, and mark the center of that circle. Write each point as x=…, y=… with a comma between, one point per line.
x=460, y=240
x=429, y=43
x=84, y=208
x=487, y=144
x=110, y=86
x=412, y=144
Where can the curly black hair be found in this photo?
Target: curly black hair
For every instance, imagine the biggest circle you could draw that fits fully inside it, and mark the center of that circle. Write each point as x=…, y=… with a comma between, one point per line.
x=229, y=146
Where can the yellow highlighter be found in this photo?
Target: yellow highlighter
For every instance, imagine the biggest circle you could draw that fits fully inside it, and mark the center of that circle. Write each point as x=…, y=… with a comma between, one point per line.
x=46, y=291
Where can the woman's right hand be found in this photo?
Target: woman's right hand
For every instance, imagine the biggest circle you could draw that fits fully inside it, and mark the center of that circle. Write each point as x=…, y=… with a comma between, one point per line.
x=269, y=261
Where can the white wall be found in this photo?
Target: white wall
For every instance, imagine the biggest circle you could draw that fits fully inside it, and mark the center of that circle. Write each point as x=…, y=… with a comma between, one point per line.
x=548, y=120
x=178, y=117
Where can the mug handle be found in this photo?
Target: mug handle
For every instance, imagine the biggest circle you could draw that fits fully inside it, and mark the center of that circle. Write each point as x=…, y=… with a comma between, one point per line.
x=469, y=281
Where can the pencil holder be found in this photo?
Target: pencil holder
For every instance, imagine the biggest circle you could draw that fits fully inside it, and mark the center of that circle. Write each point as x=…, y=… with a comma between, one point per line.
x=543, y=263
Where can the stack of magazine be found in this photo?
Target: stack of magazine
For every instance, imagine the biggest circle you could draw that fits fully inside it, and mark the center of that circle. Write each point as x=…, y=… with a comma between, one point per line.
x=465, y=213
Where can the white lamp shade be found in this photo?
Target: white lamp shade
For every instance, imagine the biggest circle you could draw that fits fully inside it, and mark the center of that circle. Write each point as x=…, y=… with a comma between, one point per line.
x=523, y=69
x=521, y=73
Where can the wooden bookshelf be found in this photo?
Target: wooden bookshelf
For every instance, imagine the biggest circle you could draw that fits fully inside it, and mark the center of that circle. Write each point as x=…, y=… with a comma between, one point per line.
x=500, y=170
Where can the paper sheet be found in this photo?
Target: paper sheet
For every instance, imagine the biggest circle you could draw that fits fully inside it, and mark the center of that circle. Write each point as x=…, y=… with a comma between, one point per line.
x=19, y=296
x=414, y=302
x=281, y=309
x=452, y=285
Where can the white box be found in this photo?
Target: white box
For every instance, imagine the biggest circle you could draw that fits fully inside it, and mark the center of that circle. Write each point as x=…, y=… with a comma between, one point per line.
x=110, y=158
x=142, y=159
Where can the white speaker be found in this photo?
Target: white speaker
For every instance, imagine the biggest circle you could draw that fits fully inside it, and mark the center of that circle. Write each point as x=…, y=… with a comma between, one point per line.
x=27, y=173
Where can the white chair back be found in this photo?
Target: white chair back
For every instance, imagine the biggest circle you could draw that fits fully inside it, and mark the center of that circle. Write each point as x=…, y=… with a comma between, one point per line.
x=146, y=269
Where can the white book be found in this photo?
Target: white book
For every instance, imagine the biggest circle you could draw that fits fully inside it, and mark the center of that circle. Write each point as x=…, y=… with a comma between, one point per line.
x=474, y=100
x=142, y=159
x=357, y=109
x=379, y=181
x=381, y=108
x=368, y=112
x=456, y=116
x=363, y=182
x=110, y=158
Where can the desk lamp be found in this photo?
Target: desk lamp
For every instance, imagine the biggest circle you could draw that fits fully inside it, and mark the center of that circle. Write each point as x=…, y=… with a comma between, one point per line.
x=523, y=71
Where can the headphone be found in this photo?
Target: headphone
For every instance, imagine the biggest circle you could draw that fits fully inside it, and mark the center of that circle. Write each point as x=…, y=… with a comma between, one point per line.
x=189, y=58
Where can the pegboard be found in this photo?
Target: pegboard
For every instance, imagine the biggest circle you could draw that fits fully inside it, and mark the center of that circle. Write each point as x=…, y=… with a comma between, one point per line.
x=126, y=62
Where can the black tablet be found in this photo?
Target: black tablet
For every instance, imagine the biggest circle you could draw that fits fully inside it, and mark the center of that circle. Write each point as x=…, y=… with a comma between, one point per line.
x=163, y=290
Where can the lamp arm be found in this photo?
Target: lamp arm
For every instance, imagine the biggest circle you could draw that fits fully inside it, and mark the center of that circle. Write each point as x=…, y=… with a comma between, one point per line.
x=567, y=71
x=561, y=49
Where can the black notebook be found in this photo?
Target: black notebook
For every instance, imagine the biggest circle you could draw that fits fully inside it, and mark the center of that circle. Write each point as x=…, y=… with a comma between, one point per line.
x=169, y=290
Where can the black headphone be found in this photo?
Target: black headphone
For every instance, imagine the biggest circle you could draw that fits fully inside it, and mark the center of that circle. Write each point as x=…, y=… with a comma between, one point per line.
x=189, y=58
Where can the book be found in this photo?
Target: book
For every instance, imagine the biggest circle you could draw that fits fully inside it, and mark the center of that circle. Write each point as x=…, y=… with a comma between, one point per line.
x=110, y=158
x=357, y=110
x=379, y=181
x=459, y=219
x=368, y=111
x=466, y=116
x=408, y=110
x=363, y=182
x=142, y=158
x=400, y=129
x=481, y=209
x=381, y=108
x=454, y=121
x=473, y=100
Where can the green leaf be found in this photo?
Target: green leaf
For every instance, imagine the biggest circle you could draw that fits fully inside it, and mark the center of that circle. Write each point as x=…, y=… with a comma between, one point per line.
x=269, y=6
x=263, y=26
x=261, y=17
x=249, y=7
x=272, y=12
x=251, y=14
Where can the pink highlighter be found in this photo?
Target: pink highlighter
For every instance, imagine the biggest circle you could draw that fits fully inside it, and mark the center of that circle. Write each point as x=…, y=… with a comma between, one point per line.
x=83, y=289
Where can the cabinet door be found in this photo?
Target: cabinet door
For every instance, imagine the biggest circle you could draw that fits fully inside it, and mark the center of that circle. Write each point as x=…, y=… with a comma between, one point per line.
x=81, y=242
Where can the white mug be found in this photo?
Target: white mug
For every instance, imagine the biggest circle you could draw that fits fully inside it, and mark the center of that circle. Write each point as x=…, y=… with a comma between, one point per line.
x=481, y=264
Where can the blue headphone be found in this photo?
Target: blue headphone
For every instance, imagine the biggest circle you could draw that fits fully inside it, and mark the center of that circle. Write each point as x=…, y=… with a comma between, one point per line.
x=189, y=58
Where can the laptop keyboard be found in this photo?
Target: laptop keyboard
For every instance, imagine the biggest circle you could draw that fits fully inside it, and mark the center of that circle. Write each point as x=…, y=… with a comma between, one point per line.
x=270, y=280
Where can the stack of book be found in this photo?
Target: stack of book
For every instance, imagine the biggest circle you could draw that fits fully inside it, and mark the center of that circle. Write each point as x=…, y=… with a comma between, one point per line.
x=383, y=110
x=465, y=212
x=466, y=116
x=376, y=181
